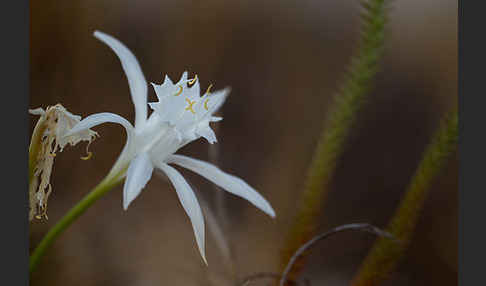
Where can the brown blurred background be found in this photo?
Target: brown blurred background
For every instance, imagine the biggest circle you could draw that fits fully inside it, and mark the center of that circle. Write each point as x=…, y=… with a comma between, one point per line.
x=284, y=61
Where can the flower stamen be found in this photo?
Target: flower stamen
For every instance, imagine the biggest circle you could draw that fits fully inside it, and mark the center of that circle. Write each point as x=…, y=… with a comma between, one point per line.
x=209, y=88
x=88, y=156
x=189, y=107
x=193, y=80
x=179, y=91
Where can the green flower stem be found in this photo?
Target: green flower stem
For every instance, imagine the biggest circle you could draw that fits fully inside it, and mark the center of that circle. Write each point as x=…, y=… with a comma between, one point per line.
x=102, y=188
x=386, y=253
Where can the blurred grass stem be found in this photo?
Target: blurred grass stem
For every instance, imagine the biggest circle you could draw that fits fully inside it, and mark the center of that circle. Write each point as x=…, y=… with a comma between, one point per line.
x=342, y=117
x=385, y=254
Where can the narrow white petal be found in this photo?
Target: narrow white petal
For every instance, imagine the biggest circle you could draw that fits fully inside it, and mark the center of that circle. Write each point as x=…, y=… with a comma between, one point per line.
x=189, y=203
x=215, y=119
x=136, y=79
x=207, y=133
x=217, y=98
x=138, y=174
x=99, y=118
x=212, y=103
x=226, y=181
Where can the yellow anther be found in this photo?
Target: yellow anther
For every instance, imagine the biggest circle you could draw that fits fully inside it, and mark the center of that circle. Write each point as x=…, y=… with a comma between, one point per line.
x=206, y=104
x=189, y=107
x=89, y=154
x=179, y=91
x=209, y=88
x=87, y=157
x=193, y=80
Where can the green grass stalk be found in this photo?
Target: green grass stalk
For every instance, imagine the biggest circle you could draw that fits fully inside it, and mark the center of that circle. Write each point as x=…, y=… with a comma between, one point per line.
x=357, y=83
x=386, y=253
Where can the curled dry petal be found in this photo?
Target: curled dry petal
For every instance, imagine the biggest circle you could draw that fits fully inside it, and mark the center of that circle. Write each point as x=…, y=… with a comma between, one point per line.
x=49, y=137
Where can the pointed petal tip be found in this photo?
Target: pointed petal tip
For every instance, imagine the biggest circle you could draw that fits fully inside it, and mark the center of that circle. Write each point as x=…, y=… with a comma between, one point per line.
x=267, y=209
x=202, y=252
x=167, y=80
x=225, y=91
x=189, y=202
x=184, y=76
x=204, y=259
x=272, y=213
x=215, y=119
x=126, y=201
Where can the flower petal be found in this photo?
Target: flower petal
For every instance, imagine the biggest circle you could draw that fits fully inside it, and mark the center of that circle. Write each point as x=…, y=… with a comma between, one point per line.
x=37, y=111
x=99, y=118
x=226, y=181
x=138, y=174
x=189, y=203
x=171, y=101
x=183, y=77
x=136, y=79
x=207, y=133
x=215, y=119
x=216, y=99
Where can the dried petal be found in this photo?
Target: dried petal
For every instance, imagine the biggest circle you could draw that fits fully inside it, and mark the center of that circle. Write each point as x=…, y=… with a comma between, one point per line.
x=54, y=123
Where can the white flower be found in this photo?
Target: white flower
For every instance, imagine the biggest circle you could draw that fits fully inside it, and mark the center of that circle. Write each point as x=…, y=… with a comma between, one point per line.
x=180, y=117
